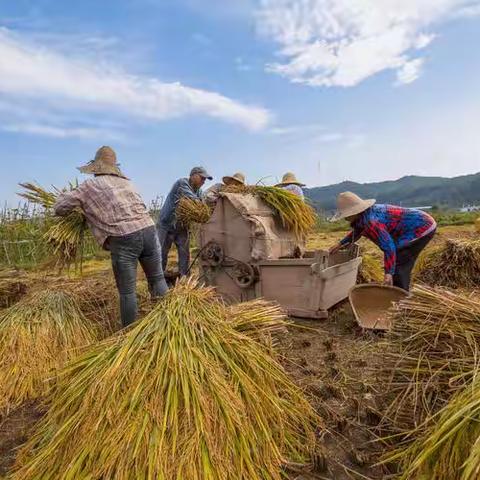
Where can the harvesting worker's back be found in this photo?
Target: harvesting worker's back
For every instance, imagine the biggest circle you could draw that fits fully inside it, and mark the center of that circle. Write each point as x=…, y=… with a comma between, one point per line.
x=120, y=222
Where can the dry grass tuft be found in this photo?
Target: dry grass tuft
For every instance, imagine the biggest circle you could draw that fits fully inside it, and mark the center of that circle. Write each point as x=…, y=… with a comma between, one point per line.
x=39, y=335
x=456, y=264
x=180, y=395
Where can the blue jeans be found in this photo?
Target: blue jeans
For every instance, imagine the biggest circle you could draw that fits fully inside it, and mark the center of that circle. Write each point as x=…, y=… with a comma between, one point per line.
x=169, y=235
x=141, y=246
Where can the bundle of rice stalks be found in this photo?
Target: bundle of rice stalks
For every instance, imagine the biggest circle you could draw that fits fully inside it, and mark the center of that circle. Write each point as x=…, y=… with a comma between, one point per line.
x=296, y=215
x=191, y=211
x=181, y=395
x=261, y=320
x=450, y=448
x=66, y=234
x=456, y=264
x=370, y=270
x=38, y=335
x=429, y=354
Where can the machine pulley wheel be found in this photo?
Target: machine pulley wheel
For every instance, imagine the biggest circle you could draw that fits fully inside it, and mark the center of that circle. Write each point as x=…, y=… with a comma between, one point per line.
x=244, y=275
x=213, y=254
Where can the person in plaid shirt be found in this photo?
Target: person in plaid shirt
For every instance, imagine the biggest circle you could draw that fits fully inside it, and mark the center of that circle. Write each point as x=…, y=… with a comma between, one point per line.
x=401, y=233
x=121, y=223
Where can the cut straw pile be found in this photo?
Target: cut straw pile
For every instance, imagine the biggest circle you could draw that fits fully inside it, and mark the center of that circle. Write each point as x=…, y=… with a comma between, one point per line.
x=456, y=264
x=450, y=448
x=38, y=335
x=184, y=394
x=190, y=211
x=295, y=214
x=429, y=355
x=66, y=234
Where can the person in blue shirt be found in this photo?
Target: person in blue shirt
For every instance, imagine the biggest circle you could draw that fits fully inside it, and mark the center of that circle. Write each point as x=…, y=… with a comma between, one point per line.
x=169, y=231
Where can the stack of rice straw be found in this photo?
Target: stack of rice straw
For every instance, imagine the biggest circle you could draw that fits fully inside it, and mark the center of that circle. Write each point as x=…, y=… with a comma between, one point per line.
x=429, y=365
x=192, y=391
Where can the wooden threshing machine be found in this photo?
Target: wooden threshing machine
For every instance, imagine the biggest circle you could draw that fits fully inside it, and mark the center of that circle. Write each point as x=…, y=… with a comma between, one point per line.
x=246, y=253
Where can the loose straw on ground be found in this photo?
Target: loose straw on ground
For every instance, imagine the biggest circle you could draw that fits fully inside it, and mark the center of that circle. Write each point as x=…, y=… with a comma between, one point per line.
x=181, y=395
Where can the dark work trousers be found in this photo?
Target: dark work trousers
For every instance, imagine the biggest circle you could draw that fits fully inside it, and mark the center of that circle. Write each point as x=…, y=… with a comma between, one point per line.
x=406, y=258
x=141, y=246
x=179, y=236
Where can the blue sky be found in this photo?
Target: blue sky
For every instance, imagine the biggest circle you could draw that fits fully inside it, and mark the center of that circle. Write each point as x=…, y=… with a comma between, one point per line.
x=331, y=89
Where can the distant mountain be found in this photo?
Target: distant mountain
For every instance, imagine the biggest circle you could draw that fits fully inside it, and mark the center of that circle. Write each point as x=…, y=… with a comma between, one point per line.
x=410, y=191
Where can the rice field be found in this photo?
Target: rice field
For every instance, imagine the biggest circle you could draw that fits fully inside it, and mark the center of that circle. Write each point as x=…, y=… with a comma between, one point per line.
x=335, y=366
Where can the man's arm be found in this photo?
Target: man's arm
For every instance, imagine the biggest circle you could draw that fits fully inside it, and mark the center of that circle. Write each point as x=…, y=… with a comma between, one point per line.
x=67, y=202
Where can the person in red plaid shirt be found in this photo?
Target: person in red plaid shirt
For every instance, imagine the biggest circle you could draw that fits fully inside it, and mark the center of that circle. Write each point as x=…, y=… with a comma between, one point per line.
x=401, y=233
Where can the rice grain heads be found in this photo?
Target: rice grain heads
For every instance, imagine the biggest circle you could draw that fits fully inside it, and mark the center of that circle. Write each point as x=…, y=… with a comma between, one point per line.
x=191, y=211
x=181, y=395
x=65, y=235
x=295, y=214
x=38, y=336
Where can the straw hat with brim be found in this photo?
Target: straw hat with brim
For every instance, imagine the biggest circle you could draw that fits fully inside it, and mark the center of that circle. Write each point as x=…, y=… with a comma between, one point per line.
x=104, y=163
x=350, y=204
x=289, y=179
x=235, y=178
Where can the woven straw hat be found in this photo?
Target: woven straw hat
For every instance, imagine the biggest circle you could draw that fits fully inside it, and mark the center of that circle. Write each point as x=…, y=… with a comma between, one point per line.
x=350, y=204
x=289, y=179
x=236, y=178
x=104, y=163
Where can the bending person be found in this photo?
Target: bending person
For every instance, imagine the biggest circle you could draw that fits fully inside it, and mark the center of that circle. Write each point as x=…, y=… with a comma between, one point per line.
x=120, y=222
x=401, y=233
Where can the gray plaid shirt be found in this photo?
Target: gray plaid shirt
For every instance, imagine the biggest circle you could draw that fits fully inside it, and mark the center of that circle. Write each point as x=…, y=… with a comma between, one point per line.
x=111, y=205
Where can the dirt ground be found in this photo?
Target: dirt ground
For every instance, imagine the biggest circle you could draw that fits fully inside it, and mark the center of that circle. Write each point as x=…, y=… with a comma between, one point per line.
x=332, y=360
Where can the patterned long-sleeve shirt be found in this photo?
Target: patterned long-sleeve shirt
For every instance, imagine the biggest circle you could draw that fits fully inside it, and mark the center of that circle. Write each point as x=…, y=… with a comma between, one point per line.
x=391, y=228
x=181, y=188
x=111, y=205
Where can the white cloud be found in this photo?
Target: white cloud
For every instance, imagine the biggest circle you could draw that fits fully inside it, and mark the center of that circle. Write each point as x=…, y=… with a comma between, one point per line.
x=60, y=132
x=343, y=42
x=30, y=72
x=409, y=71
x=313, y=134
x=296, y=130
